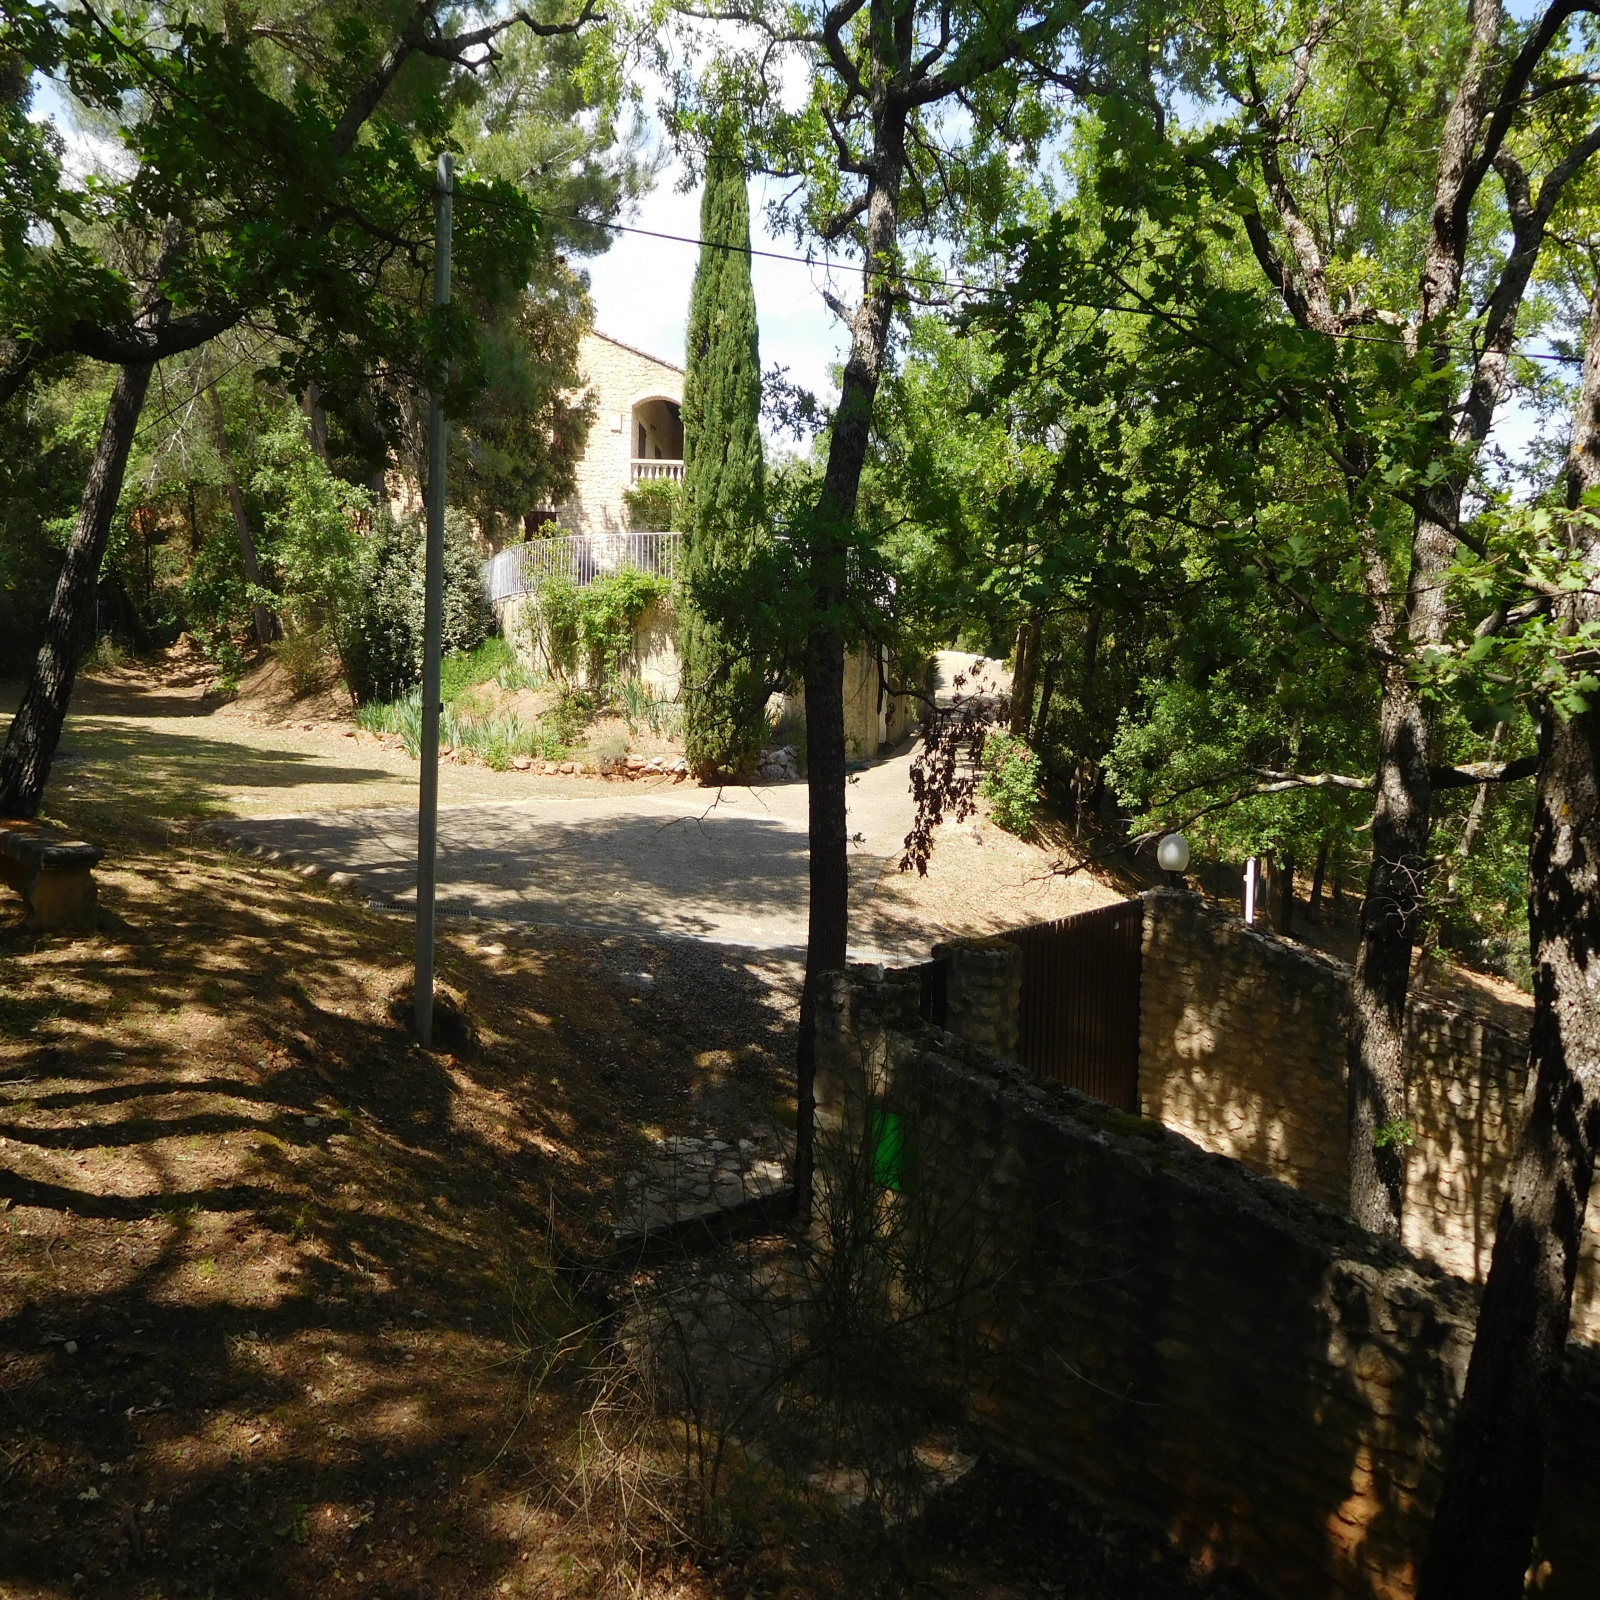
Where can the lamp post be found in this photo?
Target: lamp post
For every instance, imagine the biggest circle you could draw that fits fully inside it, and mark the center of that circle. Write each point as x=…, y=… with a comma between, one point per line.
x=1172, y=856
x=432, y=630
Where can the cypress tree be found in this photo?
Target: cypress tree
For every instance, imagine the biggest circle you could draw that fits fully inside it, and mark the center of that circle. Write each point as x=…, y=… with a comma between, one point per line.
x=724, y=483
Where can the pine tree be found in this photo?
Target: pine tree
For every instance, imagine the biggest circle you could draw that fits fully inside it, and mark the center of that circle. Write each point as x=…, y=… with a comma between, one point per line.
x=724, y=483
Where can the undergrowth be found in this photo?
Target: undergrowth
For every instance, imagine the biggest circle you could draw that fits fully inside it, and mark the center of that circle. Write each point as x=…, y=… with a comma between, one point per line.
x=496, y=738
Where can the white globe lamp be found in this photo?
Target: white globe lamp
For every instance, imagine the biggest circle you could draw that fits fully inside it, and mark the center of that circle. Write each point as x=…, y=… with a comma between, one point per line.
x=1172, y=856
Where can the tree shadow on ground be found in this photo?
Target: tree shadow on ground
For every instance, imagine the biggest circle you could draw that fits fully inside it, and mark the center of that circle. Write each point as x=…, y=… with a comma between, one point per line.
x=266, y=1258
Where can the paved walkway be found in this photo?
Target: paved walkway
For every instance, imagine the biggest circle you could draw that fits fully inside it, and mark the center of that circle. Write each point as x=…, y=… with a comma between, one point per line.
x=645, y=857
x=728, y=866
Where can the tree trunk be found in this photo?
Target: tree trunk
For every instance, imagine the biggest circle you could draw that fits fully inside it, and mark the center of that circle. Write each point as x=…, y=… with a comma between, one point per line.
x=1025, y=674
x=36, y=728
x=1046, y=691
x=1389, y=916
x=827, y=934
x=1483, y=1529
x=1318, y=874
x=1287, y=915
x=266, y=624
x=316, y=421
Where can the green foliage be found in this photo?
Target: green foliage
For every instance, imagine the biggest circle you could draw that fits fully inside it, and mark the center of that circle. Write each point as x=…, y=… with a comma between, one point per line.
x=608, y=610
x=724, y=484
x=592, y=626
x=491, y=661
x=312, y=533
x=234, y=145
x=43, y=461
x=1010, y=782
x=556, y=604
x=652, y=505
x=381, y=634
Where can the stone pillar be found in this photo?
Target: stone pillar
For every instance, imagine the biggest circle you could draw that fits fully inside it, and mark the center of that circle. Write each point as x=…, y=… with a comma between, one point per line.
x=860, y=1013
x=984, y=997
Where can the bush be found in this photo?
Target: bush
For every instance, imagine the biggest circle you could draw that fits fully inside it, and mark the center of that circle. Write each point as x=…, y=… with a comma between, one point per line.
x=593, y=626
x=609, y=610
x=1010, y=782
x=380, y=640
x=304, y=658
x=652, y=505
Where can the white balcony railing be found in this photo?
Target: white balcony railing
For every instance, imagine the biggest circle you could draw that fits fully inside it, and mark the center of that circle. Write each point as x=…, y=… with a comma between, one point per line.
x=641, y=470
x=579, y=558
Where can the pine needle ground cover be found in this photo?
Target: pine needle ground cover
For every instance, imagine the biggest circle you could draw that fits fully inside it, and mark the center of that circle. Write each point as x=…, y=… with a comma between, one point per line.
x=290, y=1306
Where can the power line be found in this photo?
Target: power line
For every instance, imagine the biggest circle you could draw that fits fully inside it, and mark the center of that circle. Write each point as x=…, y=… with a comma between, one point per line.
x=923, y=279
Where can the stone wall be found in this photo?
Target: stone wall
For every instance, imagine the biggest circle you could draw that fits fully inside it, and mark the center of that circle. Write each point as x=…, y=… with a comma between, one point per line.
x=1242, y=1049
x=619, y=376
x=655, y=660
x=1193, y=1344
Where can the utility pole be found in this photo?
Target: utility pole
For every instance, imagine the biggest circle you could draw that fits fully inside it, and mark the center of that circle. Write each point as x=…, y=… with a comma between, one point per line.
x=432, y=626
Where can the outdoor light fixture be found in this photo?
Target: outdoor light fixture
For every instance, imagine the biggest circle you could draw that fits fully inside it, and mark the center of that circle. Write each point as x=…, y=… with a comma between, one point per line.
x=1172, y=856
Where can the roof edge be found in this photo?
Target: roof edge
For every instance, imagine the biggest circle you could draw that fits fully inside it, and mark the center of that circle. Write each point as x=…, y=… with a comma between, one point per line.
x=633, y=349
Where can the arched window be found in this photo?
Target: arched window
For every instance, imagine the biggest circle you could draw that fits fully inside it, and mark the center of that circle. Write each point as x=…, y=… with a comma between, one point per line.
x=657, y=438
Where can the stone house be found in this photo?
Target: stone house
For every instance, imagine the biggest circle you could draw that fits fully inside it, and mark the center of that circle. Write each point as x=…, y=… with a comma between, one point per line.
x=637, y=435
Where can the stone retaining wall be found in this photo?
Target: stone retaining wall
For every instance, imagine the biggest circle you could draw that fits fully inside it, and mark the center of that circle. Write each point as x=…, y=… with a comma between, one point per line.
x=1242, y=1049
x=1196, y=1345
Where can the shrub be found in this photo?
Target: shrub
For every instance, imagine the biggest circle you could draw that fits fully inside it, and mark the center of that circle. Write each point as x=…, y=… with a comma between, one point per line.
x=608, y=611
x=1010, y=782
x=593, y=626
x=380, y=641
x=305, y=659
x=652, y=505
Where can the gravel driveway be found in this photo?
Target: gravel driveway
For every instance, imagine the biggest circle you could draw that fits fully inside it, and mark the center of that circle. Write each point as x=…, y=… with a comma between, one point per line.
x=728, y=866
x=646, y=857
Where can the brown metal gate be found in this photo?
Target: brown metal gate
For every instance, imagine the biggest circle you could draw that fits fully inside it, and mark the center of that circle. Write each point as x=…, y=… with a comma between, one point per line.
x=1080, y=1001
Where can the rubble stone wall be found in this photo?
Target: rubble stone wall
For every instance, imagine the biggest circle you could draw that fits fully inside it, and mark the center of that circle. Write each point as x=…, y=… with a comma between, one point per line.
x=1242, y=1049
x=1192, y=1343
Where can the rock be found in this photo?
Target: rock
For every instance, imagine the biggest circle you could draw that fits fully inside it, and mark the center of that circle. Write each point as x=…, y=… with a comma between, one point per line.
x=567, y=768
x=521, y=763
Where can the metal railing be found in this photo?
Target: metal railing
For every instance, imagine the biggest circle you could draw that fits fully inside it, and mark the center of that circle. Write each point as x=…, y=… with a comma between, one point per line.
x=642, y=470
x=579, y=558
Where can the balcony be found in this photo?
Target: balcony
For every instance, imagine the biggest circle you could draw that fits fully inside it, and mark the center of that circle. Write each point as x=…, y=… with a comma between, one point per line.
x=641, y=470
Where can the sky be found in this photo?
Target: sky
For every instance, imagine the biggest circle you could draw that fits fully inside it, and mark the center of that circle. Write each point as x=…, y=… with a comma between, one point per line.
x=641, y=289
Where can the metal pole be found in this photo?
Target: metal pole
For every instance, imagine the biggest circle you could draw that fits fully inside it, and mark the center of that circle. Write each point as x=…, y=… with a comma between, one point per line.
x=432, y=629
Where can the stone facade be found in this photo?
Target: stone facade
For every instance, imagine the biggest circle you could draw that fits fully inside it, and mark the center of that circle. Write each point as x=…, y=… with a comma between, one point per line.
x=1192, y=1343
x=633, y=392
x=1242, y=1049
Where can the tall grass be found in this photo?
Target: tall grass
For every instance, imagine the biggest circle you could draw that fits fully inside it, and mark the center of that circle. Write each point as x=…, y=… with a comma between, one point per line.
x=495, y=737
x=640, y=707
